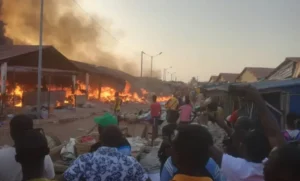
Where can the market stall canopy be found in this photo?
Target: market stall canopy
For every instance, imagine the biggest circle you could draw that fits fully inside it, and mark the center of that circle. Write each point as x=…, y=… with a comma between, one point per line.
x=266, y=85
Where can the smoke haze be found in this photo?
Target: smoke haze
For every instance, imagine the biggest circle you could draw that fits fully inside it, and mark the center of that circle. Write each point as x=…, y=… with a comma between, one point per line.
x=66, y=27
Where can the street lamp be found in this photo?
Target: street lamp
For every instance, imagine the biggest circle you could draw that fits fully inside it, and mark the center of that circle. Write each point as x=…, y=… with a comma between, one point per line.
x=165, y=72
x=40, y=61
x=152, y=61
x=143, y=53
x=172, y=75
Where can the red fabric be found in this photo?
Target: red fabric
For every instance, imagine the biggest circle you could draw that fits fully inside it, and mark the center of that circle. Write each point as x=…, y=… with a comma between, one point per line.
x=233, y=116
x=155, y=109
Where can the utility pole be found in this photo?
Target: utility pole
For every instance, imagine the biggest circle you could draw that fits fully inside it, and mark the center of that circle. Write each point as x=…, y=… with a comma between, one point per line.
x=165, y=73
x=142, y=53
x=151, y=64
x=40, y=61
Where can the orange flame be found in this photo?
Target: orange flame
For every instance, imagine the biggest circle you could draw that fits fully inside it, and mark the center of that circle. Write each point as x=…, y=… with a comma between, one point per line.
x=107, y=94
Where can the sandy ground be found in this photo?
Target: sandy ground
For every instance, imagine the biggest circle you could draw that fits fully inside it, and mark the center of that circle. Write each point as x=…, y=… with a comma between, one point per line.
x=82, y=121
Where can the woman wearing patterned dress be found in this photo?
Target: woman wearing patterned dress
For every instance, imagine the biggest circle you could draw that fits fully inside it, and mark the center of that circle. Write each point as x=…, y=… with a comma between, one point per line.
x=106, y=163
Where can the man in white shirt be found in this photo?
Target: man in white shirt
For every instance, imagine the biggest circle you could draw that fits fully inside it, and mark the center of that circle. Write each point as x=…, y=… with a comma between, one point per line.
x=10, y=170
x=255, y=148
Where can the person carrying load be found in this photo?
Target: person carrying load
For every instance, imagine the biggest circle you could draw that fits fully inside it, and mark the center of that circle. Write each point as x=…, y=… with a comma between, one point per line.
x=103, y=122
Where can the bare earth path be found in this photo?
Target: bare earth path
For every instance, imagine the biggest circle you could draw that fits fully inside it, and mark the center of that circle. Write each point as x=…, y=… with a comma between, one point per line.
x=70, y=129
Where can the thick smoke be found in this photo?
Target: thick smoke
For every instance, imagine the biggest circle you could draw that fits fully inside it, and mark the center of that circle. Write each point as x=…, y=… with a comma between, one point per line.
x=3, y=39
x=66, y=27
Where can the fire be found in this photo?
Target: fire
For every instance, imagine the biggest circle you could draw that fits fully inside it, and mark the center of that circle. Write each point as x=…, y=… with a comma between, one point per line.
x=107, y=94
x=18, y=92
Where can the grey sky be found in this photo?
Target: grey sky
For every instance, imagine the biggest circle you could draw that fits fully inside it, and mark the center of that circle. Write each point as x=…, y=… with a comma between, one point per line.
x=205, y=37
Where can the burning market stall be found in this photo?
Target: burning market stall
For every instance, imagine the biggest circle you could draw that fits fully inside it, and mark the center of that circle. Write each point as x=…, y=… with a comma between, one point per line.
x=100, y=85
x=19, y=75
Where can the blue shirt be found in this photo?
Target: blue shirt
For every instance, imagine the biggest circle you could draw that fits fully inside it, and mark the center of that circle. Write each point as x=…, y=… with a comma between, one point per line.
x=105, y=164
x=169, y=170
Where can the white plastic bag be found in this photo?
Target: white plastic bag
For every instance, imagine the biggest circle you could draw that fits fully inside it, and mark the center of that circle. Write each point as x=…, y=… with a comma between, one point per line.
x=68, y=151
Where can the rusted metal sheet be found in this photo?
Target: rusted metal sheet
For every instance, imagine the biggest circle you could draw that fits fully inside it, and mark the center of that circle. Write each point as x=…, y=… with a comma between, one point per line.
x=49, y=97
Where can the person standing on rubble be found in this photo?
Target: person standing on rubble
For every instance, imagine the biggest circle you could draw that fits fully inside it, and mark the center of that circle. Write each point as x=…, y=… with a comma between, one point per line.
x=155, y=110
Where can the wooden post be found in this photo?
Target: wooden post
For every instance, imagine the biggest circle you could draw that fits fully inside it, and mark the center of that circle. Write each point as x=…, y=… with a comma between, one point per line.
x=87, y=78
x=99, y=91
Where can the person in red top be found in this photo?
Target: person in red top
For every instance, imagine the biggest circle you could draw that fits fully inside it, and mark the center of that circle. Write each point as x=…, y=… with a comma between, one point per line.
x=233, y=117
x=155, y=116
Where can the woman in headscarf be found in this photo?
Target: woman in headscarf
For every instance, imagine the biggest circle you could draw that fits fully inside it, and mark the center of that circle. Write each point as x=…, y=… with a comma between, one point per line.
x=103, y=122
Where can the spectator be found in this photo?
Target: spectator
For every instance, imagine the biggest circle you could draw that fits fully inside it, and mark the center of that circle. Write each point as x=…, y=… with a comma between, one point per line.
x=31, y=150
x=242, y=126
x=254, y=149
x=164, y=151
x=291, y=133
x=191, y=153
x=155, y=109
x=283, y=164
x=10, y=170
x=106, y=163
x=212, y=167
x=172, y=109
x=103, y=122
x=256, y=144
x=185, y=112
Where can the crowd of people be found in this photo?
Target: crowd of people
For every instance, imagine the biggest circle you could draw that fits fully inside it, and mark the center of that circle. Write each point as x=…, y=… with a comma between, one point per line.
x=252, y=152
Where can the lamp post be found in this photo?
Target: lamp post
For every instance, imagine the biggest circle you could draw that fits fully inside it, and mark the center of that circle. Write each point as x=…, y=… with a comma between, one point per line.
x=143, y=53
x=40, y=61
x=165, y=73
x=152, y=61
x=172, y=75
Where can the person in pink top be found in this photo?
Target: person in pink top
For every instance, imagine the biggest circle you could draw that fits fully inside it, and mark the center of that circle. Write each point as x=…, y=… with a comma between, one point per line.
x=186, y=112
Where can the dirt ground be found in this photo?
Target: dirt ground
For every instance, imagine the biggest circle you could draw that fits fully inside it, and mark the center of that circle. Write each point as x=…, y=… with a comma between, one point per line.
x=81, y=120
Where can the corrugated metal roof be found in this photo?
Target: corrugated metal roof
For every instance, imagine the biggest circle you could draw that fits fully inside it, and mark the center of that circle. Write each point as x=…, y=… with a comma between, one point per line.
x=285, y=62
x=85, y=67
x=27, y=55
x=117, y=73
x=8, y=51
x=262, y=85
x=213, y=78
x=228, y=77
x=294, y=59
x=260, y=72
